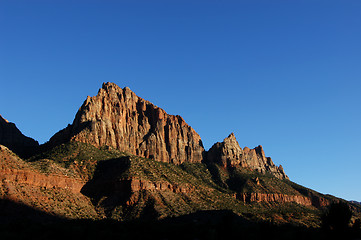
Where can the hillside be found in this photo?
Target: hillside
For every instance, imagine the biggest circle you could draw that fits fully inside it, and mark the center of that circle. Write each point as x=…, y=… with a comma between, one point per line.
x=114, y=185
x=11, y=137
x=126, y=160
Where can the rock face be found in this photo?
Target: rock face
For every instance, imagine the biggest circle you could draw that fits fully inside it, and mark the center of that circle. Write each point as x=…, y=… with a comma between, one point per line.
x=118, y=118
x=226, y=153
x=274, y=197
x=229, y=154
x=311, y=200
x=11, y=137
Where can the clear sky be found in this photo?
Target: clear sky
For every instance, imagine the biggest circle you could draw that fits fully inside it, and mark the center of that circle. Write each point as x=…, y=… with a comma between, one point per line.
x=282, y=74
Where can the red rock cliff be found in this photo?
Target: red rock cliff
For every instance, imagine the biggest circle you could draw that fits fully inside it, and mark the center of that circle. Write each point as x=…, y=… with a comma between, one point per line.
x=274, y=197
x=13, y=170
x=118, y=118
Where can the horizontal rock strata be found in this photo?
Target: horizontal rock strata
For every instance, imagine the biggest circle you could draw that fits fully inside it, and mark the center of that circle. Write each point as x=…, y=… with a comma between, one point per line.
x=274, y=197
x=39, y=180
x=140, y=184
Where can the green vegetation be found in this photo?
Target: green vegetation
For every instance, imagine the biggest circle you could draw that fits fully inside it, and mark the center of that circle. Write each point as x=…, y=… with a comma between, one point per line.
x=77, y=158
x=186, y=188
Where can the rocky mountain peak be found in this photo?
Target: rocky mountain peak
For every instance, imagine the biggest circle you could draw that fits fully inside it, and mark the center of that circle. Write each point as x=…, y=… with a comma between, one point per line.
x=120, y=119
x=226, y=153
x=231, y=139
x=229, y=154
x=259, y=150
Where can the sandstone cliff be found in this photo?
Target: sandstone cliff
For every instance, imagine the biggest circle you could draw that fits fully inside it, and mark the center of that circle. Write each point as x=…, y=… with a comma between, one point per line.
x=229, y=153
x=274, y=197
x=311, y=200
x=118, y=118
x=11, y=137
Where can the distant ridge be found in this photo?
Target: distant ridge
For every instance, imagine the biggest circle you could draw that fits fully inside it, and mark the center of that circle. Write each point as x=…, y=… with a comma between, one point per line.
x=11, y=137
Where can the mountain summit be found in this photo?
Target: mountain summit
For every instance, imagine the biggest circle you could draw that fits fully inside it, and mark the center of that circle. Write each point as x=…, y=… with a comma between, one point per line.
x=120, y=119
x=123, y=158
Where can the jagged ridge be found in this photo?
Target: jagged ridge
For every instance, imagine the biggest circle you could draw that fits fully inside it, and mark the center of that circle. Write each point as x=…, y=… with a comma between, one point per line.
x=118, y=118
x=229, y=154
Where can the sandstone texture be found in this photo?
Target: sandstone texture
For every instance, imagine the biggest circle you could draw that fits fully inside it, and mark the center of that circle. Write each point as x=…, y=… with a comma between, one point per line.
x=11, y=137
x=120, y=119
x=308, y=200
x=137, y=185
x=226, y=153
x=229, y=154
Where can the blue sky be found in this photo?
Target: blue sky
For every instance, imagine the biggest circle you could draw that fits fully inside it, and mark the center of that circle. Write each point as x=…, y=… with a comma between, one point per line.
x=283, y=74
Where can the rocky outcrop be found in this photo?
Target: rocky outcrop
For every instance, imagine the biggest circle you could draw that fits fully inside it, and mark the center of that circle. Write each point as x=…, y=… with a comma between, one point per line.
x=256, y=159
x=274, y=197
x=11, y=137
x=118, y=118
x=229, y=153
x=226, y=153
x=315, y=201
x=40, y=180
x=141, y=184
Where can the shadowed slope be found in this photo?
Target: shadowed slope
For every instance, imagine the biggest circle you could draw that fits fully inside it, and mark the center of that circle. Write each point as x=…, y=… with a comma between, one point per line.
x=11, y=137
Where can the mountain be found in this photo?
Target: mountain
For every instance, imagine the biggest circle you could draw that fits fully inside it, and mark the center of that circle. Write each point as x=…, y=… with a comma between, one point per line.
x=11, y=137
x=118, y=118
x=125, y=159
x=229, y=154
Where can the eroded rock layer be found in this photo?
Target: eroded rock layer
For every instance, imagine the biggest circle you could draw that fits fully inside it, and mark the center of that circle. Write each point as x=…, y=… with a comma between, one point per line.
x=274, y=197
x=118, y=118
x=51, y=193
